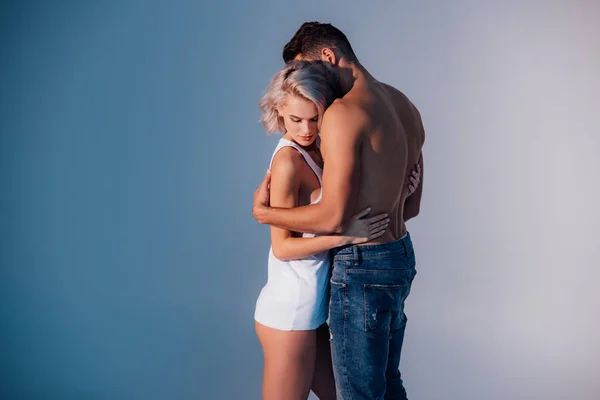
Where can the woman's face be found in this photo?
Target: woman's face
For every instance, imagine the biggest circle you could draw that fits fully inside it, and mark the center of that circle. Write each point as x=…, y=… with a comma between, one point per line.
x=300, y=117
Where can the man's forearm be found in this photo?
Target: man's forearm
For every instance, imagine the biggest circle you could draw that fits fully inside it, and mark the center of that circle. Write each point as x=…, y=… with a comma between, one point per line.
x=313, y=218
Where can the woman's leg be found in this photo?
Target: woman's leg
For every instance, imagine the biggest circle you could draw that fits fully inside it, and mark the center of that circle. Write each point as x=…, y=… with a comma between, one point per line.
x=289, y=362
x=323, y=383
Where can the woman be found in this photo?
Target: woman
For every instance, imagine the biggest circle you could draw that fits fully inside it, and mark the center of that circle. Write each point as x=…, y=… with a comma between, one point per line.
x=292, y=307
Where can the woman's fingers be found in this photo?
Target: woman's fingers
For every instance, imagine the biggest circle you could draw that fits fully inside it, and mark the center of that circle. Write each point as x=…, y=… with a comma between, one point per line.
x=417, y=170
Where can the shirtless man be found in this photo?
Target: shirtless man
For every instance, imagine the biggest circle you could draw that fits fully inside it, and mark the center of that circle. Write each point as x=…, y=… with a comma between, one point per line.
x=370, y=140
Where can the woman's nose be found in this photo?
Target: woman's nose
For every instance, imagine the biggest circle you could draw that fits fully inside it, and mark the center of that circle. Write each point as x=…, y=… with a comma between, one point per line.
x=306, y=127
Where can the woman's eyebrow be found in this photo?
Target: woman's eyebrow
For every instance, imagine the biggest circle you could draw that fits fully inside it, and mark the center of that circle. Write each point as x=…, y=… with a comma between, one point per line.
x=293, y=116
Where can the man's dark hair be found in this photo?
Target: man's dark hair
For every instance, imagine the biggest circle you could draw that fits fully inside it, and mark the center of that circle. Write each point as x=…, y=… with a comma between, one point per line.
x=312, y=37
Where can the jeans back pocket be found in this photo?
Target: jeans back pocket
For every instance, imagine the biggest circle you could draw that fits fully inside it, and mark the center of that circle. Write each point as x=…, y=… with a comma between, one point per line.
x=383, y=307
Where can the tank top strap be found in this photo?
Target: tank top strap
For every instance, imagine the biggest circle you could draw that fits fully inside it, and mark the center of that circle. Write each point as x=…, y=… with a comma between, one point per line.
x=311, y=163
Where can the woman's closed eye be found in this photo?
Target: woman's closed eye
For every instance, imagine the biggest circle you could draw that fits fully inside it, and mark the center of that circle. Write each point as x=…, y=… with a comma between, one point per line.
x=296, y=120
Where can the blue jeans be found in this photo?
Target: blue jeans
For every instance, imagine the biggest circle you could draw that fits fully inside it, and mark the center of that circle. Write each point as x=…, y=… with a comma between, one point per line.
x=369, y=285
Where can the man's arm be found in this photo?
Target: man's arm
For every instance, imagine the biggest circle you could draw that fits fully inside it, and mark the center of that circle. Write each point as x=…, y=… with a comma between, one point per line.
x=412, y=204
x=340, y=146
x=285, y=184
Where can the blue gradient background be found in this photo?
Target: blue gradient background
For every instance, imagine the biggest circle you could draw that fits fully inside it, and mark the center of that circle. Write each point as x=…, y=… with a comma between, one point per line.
x=130, y=149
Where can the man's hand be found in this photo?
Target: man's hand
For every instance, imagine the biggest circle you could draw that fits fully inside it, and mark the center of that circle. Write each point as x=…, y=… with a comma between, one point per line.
x=362, y=230
x=261, y=197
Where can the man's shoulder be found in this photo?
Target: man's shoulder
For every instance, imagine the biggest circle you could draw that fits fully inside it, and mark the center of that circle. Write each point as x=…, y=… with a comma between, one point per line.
x=392, y=90
x=343, y=120
x=403, y=105
x=345, y=111
x=342, y=105
x=397, y=95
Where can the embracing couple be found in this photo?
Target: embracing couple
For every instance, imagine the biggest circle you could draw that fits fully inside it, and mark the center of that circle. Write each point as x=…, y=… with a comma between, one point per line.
x=342, y=182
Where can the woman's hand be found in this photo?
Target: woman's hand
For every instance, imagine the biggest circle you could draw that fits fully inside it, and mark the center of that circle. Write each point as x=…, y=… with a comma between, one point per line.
x=364, y=230
x=415, y=179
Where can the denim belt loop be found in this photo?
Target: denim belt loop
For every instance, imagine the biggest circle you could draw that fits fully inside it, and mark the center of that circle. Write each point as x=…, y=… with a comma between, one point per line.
x=356, y=255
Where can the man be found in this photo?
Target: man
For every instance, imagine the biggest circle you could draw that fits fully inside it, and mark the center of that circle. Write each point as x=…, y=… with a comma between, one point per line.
x=370, y=139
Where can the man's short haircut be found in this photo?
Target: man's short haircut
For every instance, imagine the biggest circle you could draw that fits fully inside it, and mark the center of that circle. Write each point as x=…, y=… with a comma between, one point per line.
x=312, y=37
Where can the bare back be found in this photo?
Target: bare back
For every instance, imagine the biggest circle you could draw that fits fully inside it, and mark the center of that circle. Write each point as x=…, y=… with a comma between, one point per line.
x=390, y=148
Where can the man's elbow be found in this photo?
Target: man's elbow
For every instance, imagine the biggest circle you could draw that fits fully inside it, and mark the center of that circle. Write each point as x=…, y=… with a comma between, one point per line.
x=336, y=223
x=332, y=219
x=330, y=224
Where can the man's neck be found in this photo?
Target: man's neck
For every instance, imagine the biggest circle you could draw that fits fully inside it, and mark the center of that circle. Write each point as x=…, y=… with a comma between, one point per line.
x=353, y=74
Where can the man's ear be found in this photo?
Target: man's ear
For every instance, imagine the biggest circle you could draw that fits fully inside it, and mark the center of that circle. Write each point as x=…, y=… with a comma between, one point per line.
x=328, y=55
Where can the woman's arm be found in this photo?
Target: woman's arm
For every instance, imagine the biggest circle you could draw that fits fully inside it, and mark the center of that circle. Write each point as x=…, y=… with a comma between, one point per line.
x=294, y=248
x=359, y=231
x=285, y=185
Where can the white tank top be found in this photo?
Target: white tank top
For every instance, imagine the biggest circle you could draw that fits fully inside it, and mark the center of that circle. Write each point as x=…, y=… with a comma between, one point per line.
x=311, y=163
x=296, y=293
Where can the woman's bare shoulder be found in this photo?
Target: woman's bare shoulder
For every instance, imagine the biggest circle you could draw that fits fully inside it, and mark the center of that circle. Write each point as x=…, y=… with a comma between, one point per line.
x=287, y=164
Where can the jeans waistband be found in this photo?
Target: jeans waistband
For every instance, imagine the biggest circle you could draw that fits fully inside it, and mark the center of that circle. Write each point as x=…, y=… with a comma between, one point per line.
x=374, y=251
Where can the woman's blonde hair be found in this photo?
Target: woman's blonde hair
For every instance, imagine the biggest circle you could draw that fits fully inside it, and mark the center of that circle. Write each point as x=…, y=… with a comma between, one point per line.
x=311, y=80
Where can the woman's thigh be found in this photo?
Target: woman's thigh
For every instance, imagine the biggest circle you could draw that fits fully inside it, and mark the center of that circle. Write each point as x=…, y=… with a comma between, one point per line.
x=289, y=358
